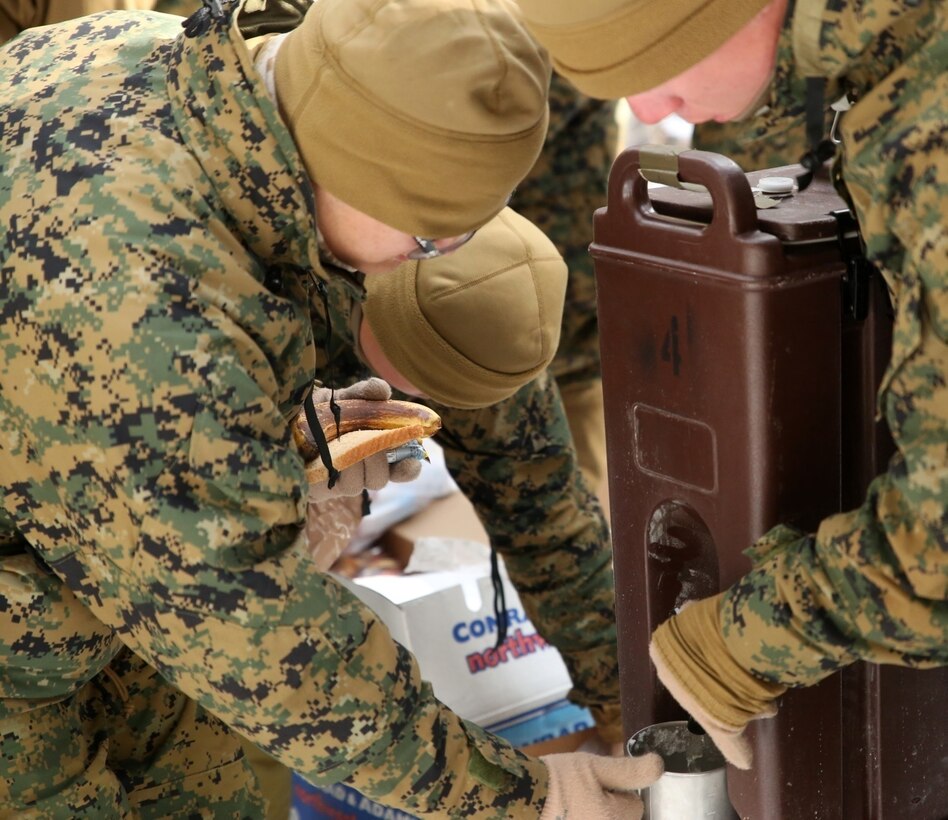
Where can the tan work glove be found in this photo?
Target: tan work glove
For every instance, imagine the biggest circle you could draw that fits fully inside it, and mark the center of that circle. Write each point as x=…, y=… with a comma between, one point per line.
x=372, y=389
x=583, y=786
x=374, y=472
x=693, y=663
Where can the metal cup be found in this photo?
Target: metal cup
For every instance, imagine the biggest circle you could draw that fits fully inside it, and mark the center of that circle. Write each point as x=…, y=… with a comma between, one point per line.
x=694, y=785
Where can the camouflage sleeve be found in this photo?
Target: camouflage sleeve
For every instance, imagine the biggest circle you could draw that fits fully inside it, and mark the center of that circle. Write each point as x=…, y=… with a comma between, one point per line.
x=872, y=584
x=516, y=463
x=559, y=195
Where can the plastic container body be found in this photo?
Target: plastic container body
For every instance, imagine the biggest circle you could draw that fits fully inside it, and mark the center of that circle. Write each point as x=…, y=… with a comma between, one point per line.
x=741, y=355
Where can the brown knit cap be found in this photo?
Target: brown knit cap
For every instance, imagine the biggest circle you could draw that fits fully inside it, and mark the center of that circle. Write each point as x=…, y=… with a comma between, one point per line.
x=471, y=328
x=616, y=48
x=423, y=114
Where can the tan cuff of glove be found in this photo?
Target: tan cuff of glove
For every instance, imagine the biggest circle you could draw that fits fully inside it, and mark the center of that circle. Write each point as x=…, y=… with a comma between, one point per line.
x=583, y=786
x=693, y=663
x=330, y=527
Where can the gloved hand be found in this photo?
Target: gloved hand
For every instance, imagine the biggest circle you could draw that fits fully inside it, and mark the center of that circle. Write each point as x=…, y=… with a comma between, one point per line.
x=596, y=744
x=371, y=473
x=693, y=663
x=371, y=389
x=584, y=786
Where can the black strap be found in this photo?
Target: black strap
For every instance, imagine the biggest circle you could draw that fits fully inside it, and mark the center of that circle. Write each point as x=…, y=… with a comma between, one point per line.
x=322, y=445
x=859, y=270
x=319, y=437
x=500, y=598
x=820, y=149
x=200, y=22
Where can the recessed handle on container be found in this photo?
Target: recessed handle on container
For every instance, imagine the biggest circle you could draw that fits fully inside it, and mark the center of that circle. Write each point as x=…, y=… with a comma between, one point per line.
x=630, y=221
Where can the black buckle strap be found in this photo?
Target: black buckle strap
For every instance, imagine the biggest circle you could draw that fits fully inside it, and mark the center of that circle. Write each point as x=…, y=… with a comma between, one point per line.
x=820, y=149
x=859, y=269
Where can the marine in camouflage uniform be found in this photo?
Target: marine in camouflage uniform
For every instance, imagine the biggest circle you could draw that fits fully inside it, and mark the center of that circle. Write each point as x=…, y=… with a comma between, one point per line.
x=516, y=463
x=872, y=584
x=157, y=334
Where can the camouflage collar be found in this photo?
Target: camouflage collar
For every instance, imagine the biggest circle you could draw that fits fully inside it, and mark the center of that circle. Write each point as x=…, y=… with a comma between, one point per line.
x=233, y=128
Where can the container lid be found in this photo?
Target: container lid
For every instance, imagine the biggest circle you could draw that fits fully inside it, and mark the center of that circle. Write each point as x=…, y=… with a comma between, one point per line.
x=800, y=216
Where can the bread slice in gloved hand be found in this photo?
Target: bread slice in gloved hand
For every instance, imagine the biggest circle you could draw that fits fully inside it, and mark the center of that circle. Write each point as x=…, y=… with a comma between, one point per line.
x=369, y=424
x=694, y=665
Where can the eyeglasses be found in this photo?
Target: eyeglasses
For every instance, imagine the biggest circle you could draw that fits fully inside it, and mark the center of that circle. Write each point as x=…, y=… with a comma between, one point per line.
x=432, y=248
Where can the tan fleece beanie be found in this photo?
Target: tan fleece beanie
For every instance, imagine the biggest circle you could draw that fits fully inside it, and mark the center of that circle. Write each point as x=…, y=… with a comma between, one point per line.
x=616, y=48
x=423, y=114
x=471, y=328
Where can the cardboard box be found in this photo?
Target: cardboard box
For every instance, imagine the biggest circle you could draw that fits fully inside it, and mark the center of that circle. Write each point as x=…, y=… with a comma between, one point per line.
x=449, y=517
x=446, y=619
x=516, y=690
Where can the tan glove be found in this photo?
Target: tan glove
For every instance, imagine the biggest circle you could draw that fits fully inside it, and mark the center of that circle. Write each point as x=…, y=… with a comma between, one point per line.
x=585, y=786
x=371, y=473
x=693, y=663
x=372, y=389
x=330, y=527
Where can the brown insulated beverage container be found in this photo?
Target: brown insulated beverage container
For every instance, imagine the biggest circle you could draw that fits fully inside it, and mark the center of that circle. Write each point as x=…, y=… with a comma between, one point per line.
x=741, y=353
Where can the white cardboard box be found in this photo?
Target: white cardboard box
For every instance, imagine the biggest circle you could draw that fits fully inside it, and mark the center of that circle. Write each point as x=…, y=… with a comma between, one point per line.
x=446, y=619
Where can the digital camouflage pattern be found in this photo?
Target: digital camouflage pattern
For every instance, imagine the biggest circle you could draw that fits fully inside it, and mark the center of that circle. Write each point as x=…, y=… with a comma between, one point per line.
x=125, y=743
x=872, y=583
x=19, y=15
x=561, y=192
x=158, y=262
x=565, y=186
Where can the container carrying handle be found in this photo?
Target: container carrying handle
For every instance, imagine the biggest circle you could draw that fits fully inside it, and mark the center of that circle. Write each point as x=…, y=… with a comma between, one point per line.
x=629, y=221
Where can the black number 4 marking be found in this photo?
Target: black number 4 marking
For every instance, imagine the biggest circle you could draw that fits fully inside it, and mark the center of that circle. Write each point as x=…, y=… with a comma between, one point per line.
x=670, y=351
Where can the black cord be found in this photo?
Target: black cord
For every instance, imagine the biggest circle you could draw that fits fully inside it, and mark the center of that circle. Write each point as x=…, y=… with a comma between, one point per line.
x=500, y=598
x=820, y=149
x=319, y=437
